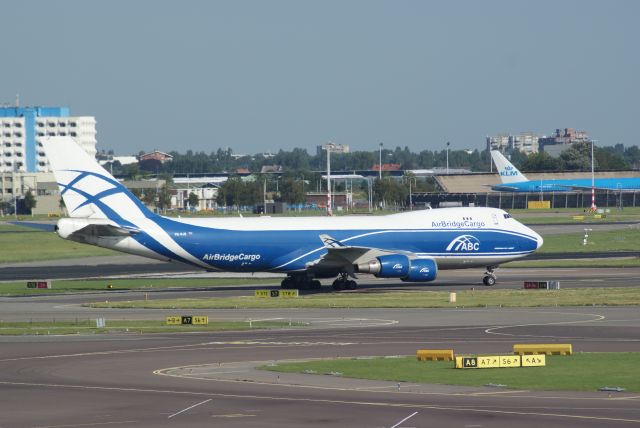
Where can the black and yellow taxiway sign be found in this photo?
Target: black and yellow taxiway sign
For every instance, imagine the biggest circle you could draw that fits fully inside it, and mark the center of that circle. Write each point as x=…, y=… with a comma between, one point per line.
x=187, y=320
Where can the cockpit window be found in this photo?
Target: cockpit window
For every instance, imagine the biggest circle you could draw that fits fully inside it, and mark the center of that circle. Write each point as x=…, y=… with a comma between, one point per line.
x=507, y=215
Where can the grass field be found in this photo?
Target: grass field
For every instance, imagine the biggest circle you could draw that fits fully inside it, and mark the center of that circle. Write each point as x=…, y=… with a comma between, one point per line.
x=141, y=284
x=23, y=244
x=579, y=372
x=413, y=299
x=555, y=215
x=129, y=326
x=627, y=239
x=627, y=262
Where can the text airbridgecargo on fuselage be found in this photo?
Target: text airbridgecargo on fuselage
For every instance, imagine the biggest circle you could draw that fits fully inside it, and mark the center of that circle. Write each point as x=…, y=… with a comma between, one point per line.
x=457, y=224
x=231, y=257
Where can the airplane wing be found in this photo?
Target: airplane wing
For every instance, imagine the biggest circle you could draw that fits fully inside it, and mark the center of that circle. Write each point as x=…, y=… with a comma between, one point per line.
x=341, y=257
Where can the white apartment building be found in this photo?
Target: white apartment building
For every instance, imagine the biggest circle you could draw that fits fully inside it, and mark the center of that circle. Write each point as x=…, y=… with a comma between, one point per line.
x=23, y=128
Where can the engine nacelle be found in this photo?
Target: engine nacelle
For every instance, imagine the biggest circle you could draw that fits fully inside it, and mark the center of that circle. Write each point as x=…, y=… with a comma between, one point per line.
x=391, y=266
x=422, y=270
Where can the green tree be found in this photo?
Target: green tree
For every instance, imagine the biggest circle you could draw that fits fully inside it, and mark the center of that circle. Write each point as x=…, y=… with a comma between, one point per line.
x=149, y=196
x=164, y=196
x=578, y=157
x=388, y=192
x=291, y=190
x=541, y=161
x=193, y=200
x=29, y=202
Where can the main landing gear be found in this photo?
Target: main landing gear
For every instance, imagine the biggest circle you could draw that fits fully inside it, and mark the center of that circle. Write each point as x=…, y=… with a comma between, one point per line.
x=344, y=283
x=300, y=282
x=489, y=278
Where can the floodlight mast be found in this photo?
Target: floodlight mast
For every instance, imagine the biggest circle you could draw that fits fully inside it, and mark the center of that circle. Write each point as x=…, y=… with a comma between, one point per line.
x=593, y=180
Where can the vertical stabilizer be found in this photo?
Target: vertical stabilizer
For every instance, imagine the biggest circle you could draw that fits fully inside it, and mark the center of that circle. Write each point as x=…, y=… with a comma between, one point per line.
x=87, y=189
x=508, y=172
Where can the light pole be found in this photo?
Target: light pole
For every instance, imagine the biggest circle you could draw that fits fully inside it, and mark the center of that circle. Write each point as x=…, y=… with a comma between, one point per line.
x=410, y=196
x=380, y=163
x=448, y=157
x=593, y=179
x=328, y=148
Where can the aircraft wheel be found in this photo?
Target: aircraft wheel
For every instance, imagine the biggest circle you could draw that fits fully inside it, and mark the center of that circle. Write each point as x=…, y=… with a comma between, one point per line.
x=338, y=285
x=287, y=283
x=351, y=285
x=489, y=280
x=315, y=284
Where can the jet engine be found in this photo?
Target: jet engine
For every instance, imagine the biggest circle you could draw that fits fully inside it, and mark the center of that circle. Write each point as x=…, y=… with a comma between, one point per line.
x=400, y=266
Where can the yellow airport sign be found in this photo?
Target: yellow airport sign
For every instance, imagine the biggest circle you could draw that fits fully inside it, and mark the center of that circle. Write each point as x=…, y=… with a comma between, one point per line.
x=467, y=362
x=534, y=360
x=510, y=361
x=497, y=361
x=187, y=320
x=489, y=362
x=288, y=293
x=200, y=320
x=174, y=320
x=537, y=205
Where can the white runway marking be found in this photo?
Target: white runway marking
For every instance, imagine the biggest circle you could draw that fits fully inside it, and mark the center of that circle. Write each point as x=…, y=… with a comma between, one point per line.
x=189, y=408
x=405, y=419
x=595, y=319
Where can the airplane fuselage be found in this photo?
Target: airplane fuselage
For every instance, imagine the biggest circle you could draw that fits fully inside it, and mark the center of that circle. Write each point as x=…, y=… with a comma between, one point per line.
x=615, y=184
x=453, y=237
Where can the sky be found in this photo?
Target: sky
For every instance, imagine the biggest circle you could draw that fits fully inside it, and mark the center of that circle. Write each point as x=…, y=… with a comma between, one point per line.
x=261, y=76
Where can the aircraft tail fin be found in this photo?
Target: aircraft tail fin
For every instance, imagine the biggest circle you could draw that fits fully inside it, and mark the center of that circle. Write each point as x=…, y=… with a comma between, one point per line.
x=87, y=189
x=508, y=172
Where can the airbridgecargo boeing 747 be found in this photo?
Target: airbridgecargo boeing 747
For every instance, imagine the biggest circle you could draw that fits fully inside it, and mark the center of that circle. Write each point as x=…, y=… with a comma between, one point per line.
x=409, y=246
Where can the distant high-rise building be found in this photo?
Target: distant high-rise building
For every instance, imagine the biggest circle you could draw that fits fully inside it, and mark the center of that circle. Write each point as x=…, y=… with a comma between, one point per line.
x=23, y=128
x=525, y=142
x=562, y=140
x=498, y=142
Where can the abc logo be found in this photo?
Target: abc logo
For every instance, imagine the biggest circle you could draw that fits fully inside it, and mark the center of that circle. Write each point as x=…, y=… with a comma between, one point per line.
x=464, y=243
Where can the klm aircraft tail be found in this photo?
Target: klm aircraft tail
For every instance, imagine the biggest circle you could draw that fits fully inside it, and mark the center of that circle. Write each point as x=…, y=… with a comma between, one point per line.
x=88, y=190
x=508, y=172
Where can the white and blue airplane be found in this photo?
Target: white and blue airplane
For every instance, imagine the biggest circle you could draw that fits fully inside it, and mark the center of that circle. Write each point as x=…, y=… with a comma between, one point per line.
x=410, y=246
x=515, y=181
